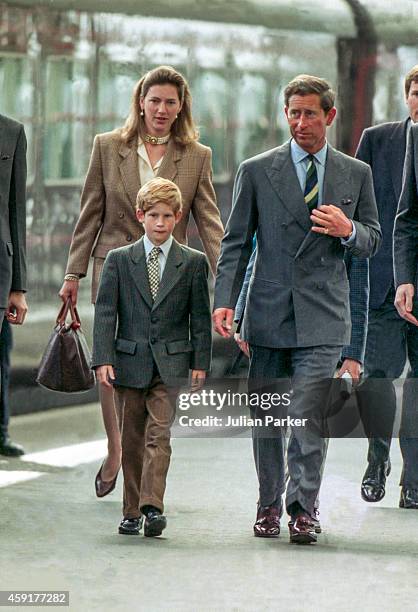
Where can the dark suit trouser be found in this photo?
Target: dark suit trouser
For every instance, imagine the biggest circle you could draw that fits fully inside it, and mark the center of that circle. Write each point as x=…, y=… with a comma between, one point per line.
x=308, y=371
x=5, y=348
x=390, y=341
x=146, y=416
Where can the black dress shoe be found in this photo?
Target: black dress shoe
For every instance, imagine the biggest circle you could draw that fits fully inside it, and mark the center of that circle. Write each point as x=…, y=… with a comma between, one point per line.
x=374, y=481
x=155, y=523
x=9, y=448
x=130, y=526
x=409, y=498
x=104, y=487
x=315, y=521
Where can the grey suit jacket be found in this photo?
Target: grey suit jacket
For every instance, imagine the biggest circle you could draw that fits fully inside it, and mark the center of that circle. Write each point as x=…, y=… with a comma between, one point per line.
x=405, y=245
x=12, y=208
x=131, y=332
x=358, y=280
x=299, y=293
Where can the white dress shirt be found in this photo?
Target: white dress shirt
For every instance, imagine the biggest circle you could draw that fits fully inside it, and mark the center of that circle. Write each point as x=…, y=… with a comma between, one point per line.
x=146, y=170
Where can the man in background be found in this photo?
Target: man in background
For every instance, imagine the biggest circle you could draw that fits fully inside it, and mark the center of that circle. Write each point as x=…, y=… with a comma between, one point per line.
x=390, y=339
x=406, y=273
x=13, y=307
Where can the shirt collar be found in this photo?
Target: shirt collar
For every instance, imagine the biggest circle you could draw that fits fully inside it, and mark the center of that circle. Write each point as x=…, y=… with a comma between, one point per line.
x=165, y=246
x=299, y=154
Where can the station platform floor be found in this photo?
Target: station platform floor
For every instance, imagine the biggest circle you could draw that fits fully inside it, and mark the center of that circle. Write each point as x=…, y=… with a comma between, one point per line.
x=56, y=535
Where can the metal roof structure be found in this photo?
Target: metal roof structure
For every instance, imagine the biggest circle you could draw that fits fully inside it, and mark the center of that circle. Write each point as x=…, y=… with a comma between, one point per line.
x=394, y=23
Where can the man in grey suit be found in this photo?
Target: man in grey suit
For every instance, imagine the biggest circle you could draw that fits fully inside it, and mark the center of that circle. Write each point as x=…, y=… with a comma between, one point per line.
x=391, y=339
x=12, y=253
x=308, y=203
x=406, y=301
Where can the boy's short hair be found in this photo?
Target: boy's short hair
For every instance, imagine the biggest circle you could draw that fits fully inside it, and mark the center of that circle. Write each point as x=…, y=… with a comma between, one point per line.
x=159, y=190
x=411, y=77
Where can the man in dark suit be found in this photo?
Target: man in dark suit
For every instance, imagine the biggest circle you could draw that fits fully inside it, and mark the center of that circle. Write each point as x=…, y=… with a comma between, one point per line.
x=308, y=203
x=12, y=252
x=391, y=339
x=406, y=302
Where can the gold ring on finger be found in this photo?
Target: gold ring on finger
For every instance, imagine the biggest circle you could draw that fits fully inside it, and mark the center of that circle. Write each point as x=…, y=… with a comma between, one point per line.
x=326, y=231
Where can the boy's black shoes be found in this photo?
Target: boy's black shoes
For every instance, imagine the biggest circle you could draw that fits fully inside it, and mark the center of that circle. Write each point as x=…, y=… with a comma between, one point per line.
x=155, y=523
x=130, y=526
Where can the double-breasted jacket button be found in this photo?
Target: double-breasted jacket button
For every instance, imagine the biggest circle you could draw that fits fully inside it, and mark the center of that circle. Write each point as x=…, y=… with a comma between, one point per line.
x=129, y=238
x=121, y=215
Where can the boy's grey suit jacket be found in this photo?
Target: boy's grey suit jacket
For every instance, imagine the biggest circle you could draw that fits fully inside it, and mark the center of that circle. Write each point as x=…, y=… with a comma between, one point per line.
x=131, y=331
x=299, y=292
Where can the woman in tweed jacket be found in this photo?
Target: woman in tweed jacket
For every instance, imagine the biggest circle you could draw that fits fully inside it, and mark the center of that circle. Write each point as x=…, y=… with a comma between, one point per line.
x=159, y=138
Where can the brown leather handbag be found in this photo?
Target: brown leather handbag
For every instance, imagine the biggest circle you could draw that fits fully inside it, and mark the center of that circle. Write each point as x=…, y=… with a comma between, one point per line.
x=65, y=364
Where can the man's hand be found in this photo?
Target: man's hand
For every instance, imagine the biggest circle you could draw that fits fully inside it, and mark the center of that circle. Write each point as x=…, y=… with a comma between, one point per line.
x=69, y=289
x=104, y=373
x=404, y=302
x=197, y=380
x=331, y=221
x=243, y=345
x=222, y=321
x=17, y=308
x=353, y=367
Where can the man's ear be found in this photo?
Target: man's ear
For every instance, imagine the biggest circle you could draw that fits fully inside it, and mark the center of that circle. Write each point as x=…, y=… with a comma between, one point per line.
x=140, y=215
x=331, y=115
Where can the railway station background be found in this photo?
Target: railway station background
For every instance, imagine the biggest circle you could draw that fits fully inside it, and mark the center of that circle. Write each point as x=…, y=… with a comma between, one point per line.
x=66, y=71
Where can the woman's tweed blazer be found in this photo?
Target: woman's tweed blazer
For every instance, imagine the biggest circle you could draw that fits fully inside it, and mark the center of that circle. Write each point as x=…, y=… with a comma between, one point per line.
x=107, y=218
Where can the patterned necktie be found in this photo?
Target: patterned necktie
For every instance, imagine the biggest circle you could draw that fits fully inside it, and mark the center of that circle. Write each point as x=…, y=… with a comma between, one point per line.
x=311, y=194
x=153, y=266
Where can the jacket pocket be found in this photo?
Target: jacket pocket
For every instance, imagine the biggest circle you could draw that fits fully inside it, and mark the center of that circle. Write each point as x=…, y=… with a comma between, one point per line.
x=126, y=346
x=9, y=248
x=179, y=346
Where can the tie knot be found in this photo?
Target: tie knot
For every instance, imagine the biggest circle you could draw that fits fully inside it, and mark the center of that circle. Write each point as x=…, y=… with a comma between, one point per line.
x=155, y=251
x=310, y=158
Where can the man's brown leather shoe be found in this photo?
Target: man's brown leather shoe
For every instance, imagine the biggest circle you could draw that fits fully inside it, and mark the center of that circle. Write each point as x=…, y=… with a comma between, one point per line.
x=267, y=524
x=302, y=529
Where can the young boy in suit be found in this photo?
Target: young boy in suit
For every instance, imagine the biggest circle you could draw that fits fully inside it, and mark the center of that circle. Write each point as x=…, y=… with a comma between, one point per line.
x=152, y=324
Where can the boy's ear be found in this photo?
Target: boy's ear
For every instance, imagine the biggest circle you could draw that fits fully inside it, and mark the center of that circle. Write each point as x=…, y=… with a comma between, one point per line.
x=178, y=216
x=140, y=215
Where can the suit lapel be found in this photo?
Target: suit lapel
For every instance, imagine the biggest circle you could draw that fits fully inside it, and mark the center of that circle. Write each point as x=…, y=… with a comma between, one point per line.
x=139, y=271
x=171, y=274
x=284, y=180
x=397, y=143
x=337, y=179
x=173, y=155
x=129, y=170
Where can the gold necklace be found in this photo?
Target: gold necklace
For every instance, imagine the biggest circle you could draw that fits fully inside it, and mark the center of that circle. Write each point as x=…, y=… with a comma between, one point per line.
x=155, y=140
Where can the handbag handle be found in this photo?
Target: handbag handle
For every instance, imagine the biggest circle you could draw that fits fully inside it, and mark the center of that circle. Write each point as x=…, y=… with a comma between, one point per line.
x=62, y=315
